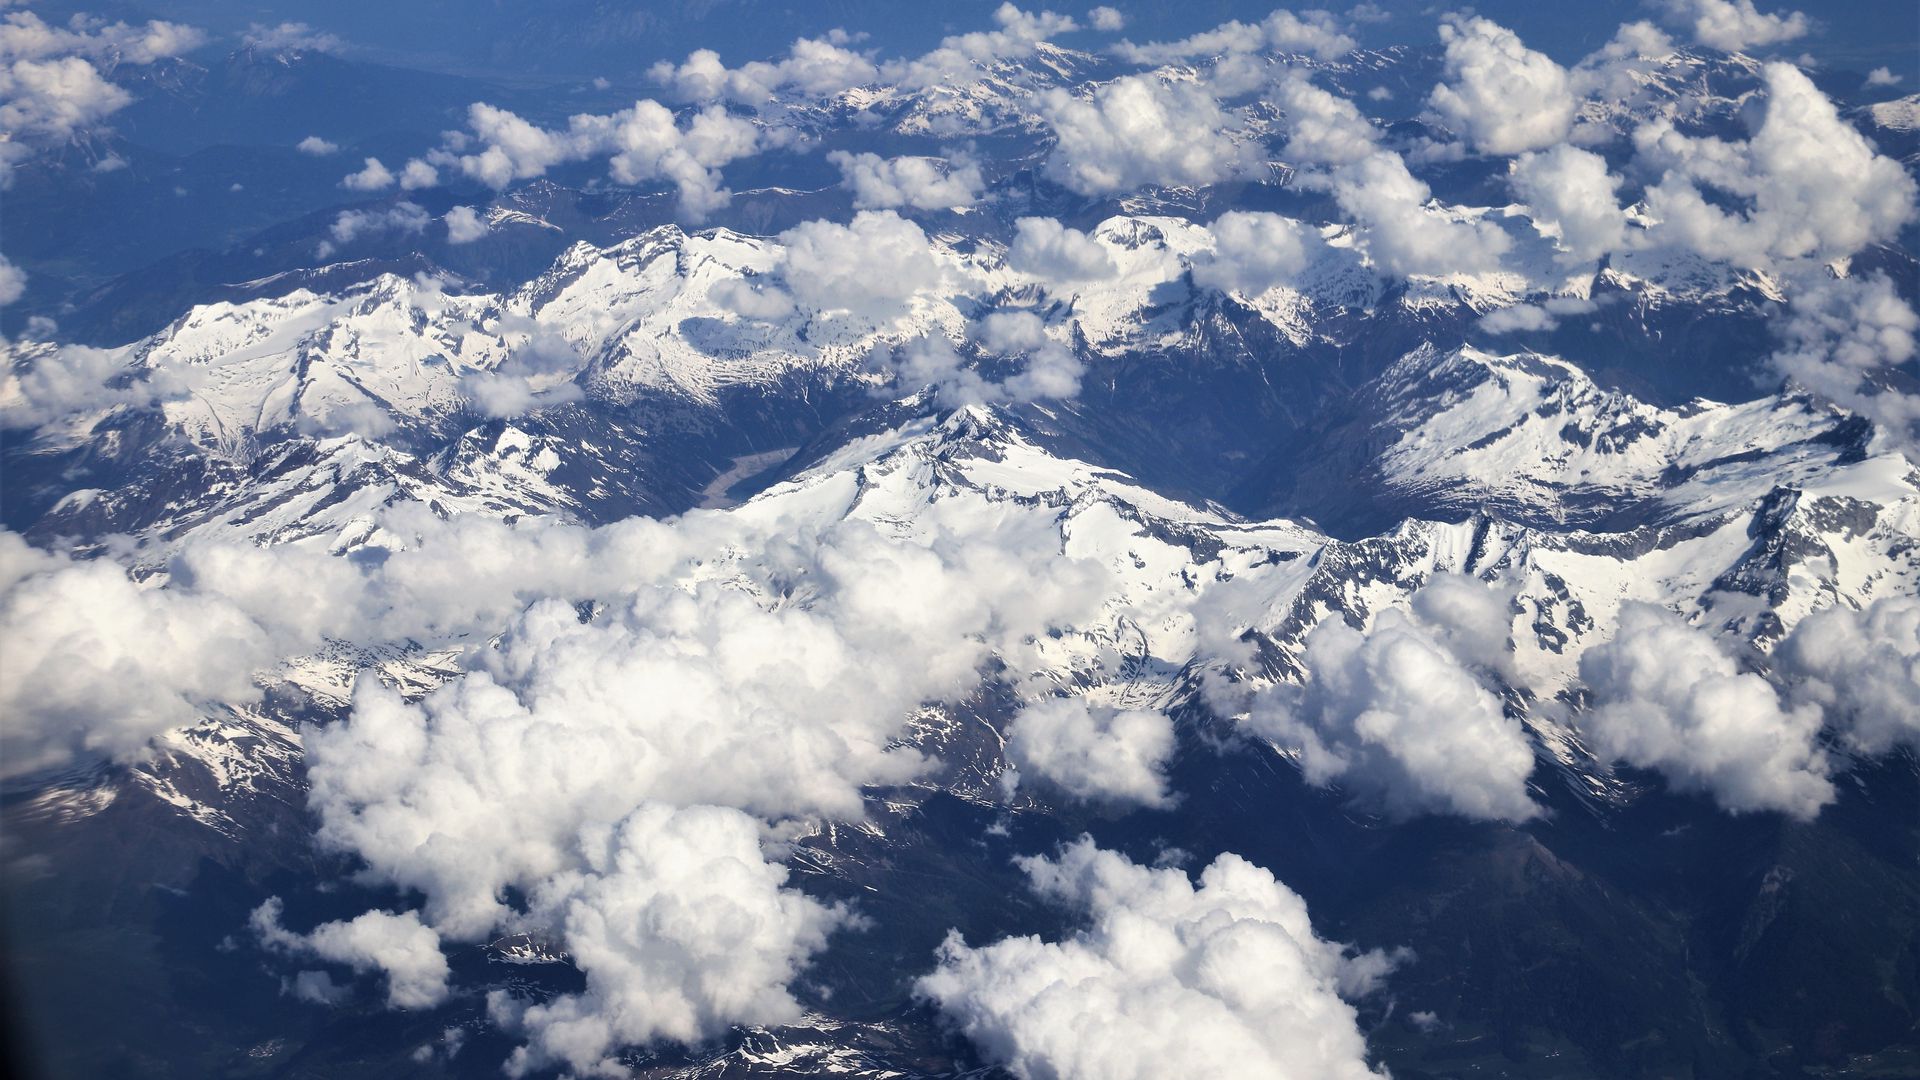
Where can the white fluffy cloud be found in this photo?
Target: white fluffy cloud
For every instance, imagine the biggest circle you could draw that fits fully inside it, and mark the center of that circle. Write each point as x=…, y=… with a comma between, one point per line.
x=13, y=282
x=418, y=174
x=965, y=58
x=1106, y=19
x=1254, y=251
x=1322, y=128
x=1733, y=25
x=1504, y=97
x=315, y=146
x=872, y=267
x=1533, y=317
x=1667, y=698
x=1314, y=33
x=1402, y=235
x=399, y=946
x=1571, y=190
x=813, y=67
x=681, y=927
x=640, y=857
x=1398, y=717
x=291, y=37
x=1840, y=336
x=99, y=664
x=1050, y=369
x=464, y=225
x=1807, y=185
x=923, y=183
x=1137, y=131
x=642, y=144
x=1863, y=668
x=373, y=177
x=351, y=225
x=1091, y=752
x=1049, y=250
x=50, y=86
x=1226, y=978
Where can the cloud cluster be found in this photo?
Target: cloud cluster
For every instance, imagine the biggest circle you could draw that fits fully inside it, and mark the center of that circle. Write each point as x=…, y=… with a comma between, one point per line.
x=1253, y=252
x=1399, y=717
x=871, y=268
x=701, y=687
x=51, y=87
x=1667, y=698
x=1313, y=33
x=1092, y=752
x=813, y=67
x=1322, y=128
x=406, y=951
x=291, y=37
x=1806, y=185
x=964, y=58
x=642, y=144
x=1222, y=978
x=1570, y=191
x=351, y=225
x=923, y=183
x=1401, y=233
x=1839, y=338
x=1049, y=250
x=1733, y=25
x=1137, y=131
x=99, y=664
x=1863, y=668
x=681, y=927
x=1504, y=97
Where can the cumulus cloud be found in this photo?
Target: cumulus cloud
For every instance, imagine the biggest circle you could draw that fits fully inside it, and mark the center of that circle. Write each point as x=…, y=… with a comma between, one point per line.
x=315, y=146
x=1400, y=721
x=418, y=174
x=1313, y=33
x=1402, y=235
x=1047, y=249
x=1667, y=698
x=1322, y=128
x=752, y=300
x=13, y=282
x=1106, y=19
x=399, y=946
x=1137, y=131
x=1882, y=76
x=1502, y=96
x=965, y=58
x=351, y=225
x=872, y=267
x=1733, y=25
x=1521, y=318
x=1862, y=668
x=642, y=144
x=1091, y=752
x=1051, y=369
x=640, y=859
x=1570, y=190
x=50, y=87
x=98, y=664
x=1840, y=336
x=373, y=177
x=464, y=225
x=295, y=37
x=1806, y=185
x=813, y=67
x=681, y=927
x=1222, y=978
x=923, y=183
x=1253, y=252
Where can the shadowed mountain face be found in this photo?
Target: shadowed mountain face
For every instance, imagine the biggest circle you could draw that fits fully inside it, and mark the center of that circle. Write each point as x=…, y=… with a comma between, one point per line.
x=997, y=543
